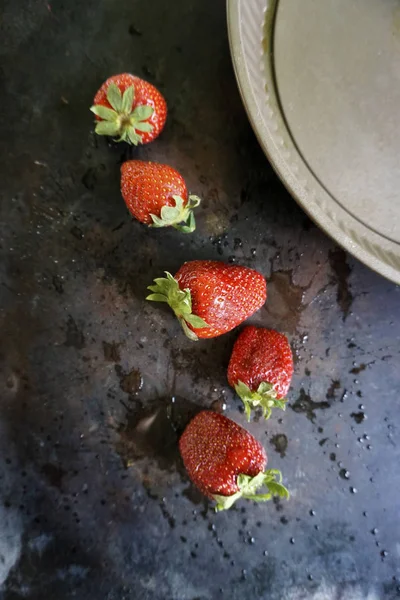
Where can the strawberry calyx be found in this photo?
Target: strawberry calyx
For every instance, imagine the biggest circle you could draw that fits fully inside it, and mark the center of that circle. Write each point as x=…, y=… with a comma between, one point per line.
x=264, y=397
x=179, y=216
x=121, y=120
x=248, y=486
x=166, y=289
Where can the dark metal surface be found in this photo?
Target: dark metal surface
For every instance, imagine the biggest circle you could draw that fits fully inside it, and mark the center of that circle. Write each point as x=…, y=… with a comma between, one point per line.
x=94, y=500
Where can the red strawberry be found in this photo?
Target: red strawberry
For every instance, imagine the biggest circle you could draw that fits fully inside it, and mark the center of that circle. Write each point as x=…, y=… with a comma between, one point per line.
x=226, y=462
x=209, y=297
x=261, y=368
x=157, y=195
x=131, y=108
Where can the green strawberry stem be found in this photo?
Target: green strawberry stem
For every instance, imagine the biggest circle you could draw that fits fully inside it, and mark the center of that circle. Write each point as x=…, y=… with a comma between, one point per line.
x=264, y=397
x=121, y=120
x=166, y=289
x=248, y=486
x=175, y=215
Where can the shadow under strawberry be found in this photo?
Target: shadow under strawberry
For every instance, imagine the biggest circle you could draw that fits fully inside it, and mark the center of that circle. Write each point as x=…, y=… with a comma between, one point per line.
x=153, y=431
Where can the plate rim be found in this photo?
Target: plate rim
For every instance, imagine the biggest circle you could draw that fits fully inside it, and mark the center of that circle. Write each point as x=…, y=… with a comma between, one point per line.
x=378, y=253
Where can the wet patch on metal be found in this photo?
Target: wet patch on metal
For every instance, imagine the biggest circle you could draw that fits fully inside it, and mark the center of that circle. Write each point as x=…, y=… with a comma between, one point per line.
x=97, y=385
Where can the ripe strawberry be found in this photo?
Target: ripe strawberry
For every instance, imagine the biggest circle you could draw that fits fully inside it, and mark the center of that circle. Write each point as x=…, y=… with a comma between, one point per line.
x=226, y=462
x=131, y=108
x=157, y=195
x=209, y=297
x=261, y=368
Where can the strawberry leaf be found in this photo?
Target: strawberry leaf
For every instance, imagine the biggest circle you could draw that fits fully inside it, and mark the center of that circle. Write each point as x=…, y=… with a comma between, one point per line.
x=106, y=128
x=277, y=489
x=272, y=474
x=179, y=300
x=156, y=298
x=127, y=100
x=259, y=497
x=157, y=222
x=189, y=227
x=142, y=112
x=143, y=126
x=114, y=97
x=225, y=502
x=131, y=120
x=264, y=397
x=179, y=216
x=194, y=201
x=249, y=486
x=108, y=114
x=169, y=213
x=247, y=410
x=188, y=332
x=195, y=321
x=134, y=138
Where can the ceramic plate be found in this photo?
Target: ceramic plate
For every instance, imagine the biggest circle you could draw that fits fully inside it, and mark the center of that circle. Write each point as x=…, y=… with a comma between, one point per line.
x=320, y=80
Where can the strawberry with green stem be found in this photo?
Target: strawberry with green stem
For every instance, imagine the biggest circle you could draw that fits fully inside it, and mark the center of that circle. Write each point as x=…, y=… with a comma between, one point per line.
x=226, y=462
x=209, y=297
x=260, y=369
x=129, y=109
x=157, y=195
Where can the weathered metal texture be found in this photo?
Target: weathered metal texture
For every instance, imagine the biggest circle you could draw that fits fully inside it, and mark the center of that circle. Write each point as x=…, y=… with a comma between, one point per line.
x=95, y=502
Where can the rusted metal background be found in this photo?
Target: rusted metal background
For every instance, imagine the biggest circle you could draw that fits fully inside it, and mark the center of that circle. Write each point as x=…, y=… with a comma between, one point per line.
x=95, y=503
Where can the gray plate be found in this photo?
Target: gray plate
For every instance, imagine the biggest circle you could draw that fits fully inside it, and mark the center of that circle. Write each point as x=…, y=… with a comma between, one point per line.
x=320, y=80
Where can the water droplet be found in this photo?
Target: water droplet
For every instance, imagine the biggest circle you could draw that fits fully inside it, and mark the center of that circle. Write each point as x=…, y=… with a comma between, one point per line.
x=292, y=540
x=310, y=577
x=265, y=552
x=344, y=474
x=365, y=514
x=316, y=527
x=218, y=406
x=353, y=490
x=369, y=447
x=374, y=531
x=361, y=406
x=252, y=540
x=366, y=436
x=253, y=251
x=384, y=553
x=312, y=513
x=361, y=440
